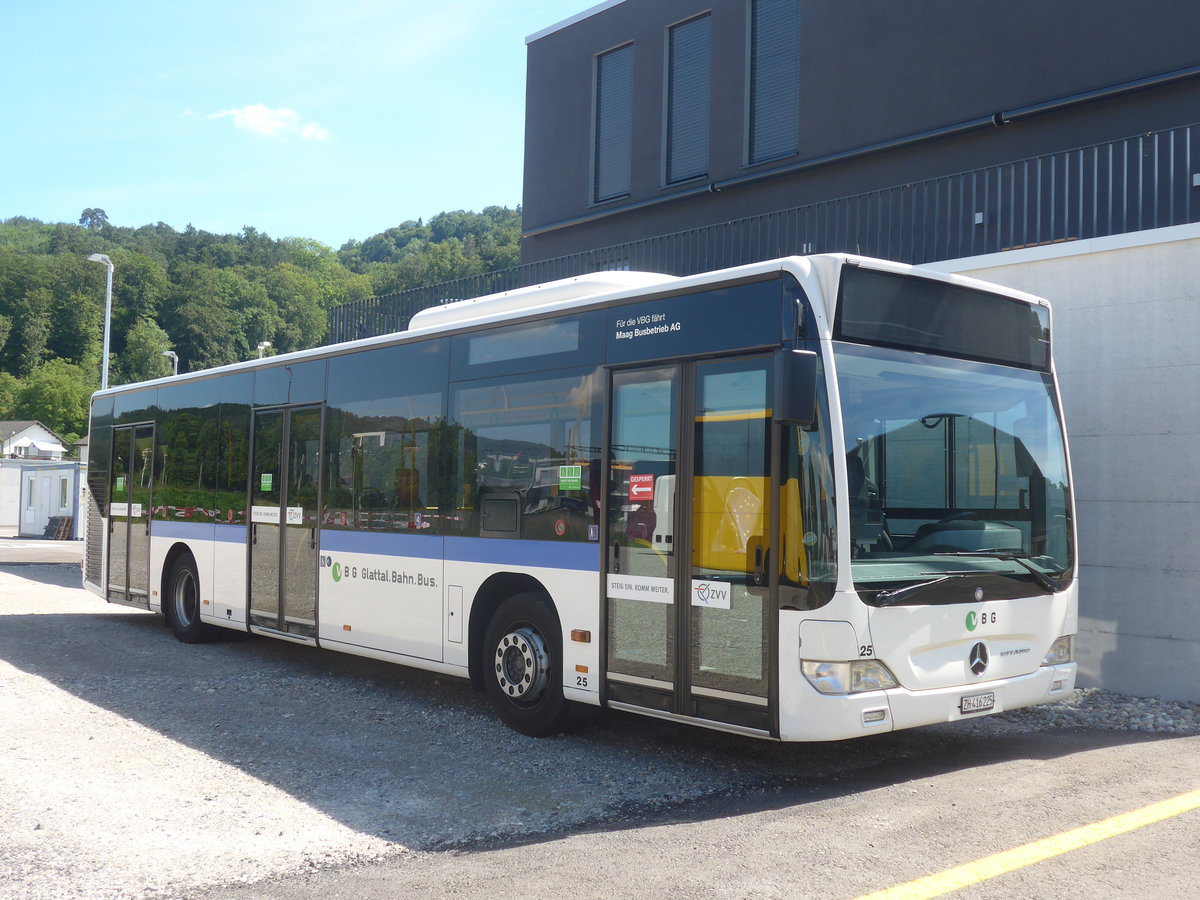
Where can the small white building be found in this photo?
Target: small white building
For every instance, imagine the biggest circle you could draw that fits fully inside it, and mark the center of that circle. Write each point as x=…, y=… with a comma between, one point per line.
x=30, y=440
x=37, y=486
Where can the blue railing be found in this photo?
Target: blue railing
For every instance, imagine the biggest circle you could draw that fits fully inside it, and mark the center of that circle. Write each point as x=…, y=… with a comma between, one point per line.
x=1137, y=183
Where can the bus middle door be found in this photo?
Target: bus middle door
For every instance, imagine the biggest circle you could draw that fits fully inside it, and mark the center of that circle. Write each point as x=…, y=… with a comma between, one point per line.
x=284, y=514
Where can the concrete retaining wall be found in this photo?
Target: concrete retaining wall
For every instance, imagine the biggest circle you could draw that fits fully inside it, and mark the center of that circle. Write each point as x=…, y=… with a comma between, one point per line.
x=1127, y=344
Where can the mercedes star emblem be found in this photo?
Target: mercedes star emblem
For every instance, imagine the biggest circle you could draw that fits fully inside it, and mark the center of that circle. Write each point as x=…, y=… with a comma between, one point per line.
x=978, y=659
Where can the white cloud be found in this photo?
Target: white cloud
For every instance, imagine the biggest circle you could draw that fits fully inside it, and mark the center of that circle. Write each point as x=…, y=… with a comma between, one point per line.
x=275, y=123
x=314, y=132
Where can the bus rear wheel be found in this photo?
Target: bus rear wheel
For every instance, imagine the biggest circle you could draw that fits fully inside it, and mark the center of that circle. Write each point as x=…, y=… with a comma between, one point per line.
x=183, y=604
x=522, y=664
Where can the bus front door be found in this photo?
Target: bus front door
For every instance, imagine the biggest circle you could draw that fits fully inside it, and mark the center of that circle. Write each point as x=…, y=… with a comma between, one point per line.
x=688, y=586
x=283, y=520
x=130, y=488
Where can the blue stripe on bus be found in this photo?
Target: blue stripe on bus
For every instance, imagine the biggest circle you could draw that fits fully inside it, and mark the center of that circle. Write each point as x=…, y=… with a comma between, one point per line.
x=494, y=551
x=584, y=557
x=174, y=528
x=198, y=531
x=416, y=546
x=230, y=534
x=543, y=554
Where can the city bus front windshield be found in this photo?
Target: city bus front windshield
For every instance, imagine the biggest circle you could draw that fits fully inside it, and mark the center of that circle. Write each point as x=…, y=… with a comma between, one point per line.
x=957, y=478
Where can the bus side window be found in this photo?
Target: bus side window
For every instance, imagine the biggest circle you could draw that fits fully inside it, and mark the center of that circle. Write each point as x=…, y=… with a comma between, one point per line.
x=379, y=474
x=526, y=456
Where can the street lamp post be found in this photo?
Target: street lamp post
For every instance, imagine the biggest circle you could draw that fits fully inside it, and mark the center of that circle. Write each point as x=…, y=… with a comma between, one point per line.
x=262, y=345
x=174, y=358
x=102, y=258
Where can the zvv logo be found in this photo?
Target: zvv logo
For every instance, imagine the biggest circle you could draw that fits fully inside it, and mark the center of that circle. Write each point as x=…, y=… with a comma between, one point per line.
x=715, y=594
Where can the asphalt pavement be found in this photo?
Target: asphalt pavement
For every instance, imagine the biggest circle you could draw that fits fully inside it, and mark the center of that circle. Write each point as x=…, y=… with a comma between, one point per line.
x=21, y=551
x=133, y=766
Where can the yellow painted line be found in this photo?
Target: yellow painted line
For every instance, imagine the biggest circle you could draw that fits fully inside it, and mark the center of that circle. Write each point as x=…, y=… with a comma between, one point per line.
x=1009, y=860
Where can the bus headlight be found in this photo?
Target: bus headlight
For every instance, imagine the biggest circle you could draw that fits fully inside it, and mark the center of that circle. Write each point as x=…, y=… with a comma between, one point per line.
x=1061, y=651
x=853, y=677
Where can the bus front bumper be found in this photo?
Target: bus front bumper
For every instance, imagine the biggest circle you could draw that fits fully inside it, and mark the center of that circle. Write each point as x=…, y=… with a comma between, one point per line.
x=811, y=716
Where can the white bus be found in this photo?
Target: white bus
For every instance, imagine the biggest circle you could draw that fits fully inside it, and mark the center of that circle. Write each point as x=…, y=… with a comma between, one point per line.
x=806, y=499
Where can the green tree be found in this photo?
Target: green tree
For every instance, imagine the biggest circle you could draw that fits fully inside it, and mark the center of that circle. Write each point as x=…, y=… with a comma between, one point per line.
x=337, y=283
x=143, y=358
x=77, y=330
x=93, y=218
x=26, y=292
x=10, y=388
x=5, y=329
x=33, y=328
x=215, y=295
x=139, y=287
x=298, y=297
x=56, y=394
x=199, y=321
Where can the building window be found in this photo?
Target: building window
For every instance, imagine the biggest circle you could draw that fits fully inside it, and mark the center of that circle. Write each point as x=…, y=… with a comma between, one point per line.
x=774, y=79
x=62, y=493
x=614, y=124
x=688, y=68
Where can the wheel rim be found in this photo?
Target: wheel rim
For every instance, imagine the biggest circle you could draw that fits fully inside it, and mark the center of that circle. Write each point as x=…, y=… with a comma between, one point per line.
x=522, y=665
x=184, y=598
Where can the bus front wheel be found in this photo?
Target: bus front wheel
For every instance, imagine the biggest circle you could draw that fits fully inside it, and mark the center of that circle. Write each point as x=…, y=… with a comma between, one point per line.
x=183, y=604
x=522, y=663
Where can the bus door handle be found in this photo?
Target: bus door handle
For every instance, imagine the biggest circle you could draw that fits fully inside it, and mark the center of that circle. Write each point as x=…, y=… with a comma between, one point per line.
x=254, y=533
x=616, y=560
x=761, y=557
x=312, y=538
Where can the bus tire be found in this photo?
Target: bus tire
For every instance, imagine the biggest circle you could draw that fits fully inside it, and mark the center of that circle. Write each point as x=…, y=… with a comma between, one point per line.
x=522, y=666
x=182, y=605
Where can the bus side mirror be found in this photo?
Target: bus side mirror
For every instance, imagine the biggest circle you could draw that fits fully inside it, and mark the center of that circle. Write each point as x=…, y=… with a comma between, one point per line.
x=796, y=387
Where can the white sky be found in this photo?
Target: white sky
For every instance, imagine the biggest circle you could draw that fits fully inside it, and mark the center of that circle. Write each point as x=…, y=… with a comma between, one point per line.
x=325, y=120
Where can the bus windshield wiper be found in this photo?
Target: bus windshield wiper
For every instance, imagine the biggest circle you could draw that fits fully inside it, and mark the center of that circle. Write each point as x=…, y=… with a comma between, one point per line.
x=1021, y=558
x=887, y=598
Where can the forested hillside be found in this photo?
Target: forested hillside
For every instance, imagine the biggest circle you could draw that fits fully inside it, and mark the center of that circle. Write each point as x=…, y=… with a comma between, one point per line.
x=209, y=297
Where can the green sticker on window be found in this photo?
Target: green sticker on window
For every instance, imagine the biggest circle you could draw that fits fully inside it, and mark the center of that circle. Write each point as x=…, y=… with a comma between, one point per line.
x=266, y=482
x=570, y=478
x=120, y=482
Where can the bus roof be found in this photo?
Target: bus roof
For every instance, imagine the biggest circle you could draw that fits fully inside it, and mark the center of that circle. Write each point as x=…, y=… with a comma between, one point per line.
x=527, y=299
x=582, y=290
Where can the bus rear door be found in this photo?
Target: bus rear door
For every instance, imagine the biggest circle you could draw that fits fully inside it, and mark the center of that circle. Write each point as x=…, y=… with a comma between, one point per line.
x=130, y=489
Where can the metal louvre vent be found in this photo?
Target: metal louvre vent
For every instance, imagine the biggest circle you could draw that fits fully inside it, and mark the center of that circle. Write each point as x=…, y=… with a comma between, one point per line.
x=93, y=538
x=774, y=79
x=688, y=99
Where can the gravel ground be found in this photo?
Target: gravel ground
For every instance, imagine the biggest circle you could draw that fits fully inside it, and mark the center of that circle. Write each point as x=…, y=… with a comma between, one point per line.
x=1096, y=708
x=132, y=766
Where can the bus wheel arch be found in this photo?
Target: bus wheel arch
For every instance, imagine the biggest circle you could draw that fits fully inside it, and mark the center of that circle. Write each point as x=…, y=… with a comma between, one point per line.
x=181, y=598
x=491, y=594
x=516, y=652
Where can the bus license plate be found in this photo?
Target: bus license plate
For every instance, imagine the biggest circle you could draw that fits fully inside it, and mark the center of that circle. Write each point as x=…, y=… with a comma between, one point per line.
x=977, y=703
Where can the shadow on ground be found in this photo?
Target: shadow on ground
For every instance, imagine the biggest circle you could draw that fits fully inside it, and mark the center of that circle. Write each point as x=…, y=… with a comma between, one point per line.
x=421, y=760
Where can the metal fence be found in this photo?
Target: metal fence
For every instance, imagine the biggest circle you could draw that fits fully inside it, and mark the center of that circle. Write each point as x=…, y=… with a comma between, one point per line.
x=1111, y=188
